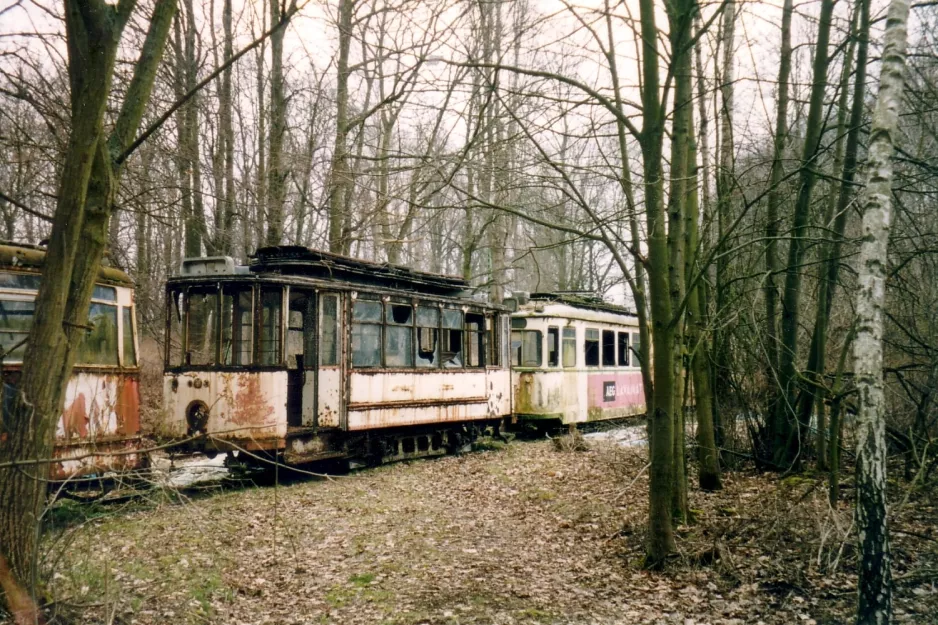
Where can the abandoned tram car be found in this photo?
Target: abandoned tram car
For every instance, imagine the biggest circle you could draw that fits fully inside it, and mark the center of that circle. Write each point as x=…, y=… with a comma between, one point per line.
x=98, y=431
x=306, y=356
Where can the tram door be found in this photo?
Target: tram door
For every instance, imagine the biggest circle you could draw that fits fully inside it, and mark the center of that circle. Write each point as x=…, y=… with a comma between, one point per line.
x=329, y=375
x=301, y=328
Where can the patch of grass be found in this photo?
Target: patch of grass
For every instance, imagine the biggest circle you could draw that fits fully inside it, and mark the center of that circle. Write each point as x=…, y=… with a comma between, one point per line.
x=535, y=614
x=362, y=579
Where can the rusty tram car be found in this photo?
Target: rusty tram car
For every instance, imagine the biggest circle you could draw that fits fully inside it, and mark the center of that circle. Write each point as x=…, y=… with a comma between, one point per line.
x=99, y=429
x=575, y=359
x=304, y=356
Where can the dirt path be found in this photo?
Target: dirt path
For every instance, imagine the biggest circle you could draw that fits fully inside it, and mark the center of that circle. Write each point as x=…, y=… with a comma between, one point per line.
x=526, y=534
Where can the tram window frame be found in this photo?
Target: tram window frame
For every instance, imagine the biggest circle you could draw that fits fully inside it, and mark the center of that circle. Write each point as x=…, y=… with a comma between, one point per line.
x=591, y=347
x=360, y=322
x=329, y=330
x=569, y=348
x=623, y=340
x=491, y=340
x=609, y=348
x=525, y=339
x=24, y=310
x=427, y=320
x=451, y=335
x=475, y=340
x=128, y=344
x=208, y=355
x=175, y=355
x=298, y=301
x=237, y=339
x=269, y=334
x=404, y=354
x=553, y=346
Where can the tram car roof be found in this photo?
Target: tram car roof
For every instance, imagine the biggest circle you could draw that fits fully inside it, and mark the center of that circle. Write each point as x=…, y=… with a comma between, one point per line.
x=295, y=261
x=26, y=257
x=574, y=305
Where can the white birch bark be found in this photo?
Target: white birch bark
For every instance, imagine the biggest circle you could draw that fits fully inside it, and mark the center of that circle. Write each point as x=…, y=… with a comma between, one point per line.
x=875, y=599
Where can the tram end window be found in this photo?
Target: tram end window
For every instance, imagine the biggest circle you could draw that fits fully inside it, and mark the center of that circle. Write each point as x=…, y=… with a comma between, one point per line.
x=553, y=347
x=16, y=318
x=452, y=339
x=637, y=349
x=475, y=340
x=491, y=341
x=428, y=337
x=399, y=335
x=623, y=338
x=175, y=310
x=296, y=328
x=99, y=345
x=591, y=347
x=366, y=333
x=526, y=348
x=268, y=343
x=569, y=347
x=609, y=348
x=237, y=325
x=328, y=342
x=129, y=347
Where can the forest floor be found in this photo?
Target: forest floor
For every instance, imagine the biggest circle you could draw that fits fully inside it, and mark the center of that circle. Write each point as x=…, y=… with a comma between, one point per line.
x=524, y=533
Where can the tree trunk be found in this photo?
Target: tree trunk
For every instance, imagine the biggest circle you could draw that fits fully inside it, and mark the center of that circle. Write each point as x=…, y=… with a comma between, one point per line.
x=790, y=438
x=875, y=592
x=339, y=178
x=278, y=120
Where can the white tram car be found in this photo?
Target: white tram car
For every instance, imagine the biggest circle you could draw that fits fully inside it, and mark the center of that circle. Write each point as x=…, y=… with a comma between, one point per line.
x=307, y=356
x=574, y=359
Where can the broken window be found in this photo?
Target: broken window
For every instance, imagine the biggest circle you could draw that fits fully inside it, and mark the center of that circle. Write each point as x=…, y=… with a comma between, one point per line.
x=268, y=342
x=237, y=325
x=99, y=345
x=328, y=344
x=623, y=349
x=569, y=347
x=428, y=334
x=526, y=348
x=591, y=348
x=296, y=328
x=553, y=347
x=475, y=347
x=399, y=336
x=609, y=348
x=452, y=339
x=16, y=317
x=175, y=345
x=201, y=324
x=130, y=349
x=637, y=349
x=366, y=334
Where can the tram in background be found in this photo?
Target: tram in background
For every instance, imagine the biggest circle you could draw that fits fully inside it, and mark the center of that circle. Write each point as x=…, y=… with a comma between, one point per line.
x=574, y=359
x=305, y=356
x=102, y=400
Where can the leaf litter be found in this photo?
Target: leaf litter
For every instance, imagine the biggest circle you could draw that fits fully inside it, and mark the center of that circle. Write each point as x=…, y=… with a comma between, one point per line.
x=525, y=533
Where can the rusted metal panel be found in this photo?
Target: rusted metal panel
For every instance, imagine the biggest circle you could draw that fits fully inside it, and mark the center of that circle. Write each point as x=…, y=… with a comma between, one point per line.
x=98, y=456
x=245, y=406
x=383, y=417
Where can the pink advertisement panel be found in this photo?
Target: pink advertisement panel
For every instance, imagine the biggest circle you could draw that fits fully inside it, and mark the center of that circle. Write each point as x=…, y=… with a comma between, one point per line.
x=615, y=389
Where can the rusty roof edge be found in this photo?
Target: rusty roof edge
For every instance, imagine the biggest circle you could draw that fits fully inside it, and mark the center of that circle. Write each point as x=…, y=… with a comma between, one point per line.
x=19, y=256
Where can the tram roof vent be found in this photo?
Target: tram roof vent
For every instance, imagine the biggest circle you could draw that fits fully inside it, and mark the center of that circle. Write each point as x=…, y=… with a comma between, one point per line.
x=211, y=266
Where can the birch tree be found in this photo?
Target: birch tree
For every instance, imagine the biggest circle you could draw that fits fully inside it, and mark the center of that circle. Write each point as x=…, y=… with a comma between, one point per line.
x=875, y=594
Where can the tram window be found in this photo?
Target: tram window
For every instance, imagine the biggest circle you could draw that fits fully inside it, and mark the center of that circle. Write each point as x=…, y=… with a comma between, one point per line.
x=175, y=352
x=569, y=347
x=475, y=347
x=623, y=349
x=237, y=327
x=16, y=317
x=268, y=343
x=428, y=334
x=591, y=348
x=23, y=281
x=526, y=348
x=130, y=352
x=366, y=334
x=296, y=324
x=637, y=349
x=328, y=345
x=609, y=348
x=201, y=320
x=99, y=345
x=506, y=341
x=399, y=336
x=553, y=347
x=107, y=293
x=452, y=339
x=491, y=341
